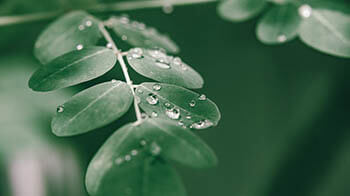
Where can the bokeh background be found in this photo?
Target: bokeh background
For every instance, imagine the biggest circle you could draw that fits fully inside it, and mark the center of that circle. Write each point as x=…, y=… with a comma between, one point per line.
x=284, y=128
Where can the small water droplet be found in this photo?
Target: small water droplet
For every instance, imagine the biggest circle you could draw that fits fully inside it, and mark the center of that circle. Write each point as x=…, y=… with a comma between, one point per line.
x=143, y=142
x=157, y=53
x=134, y=152
x=154, y=114
x=139, y=91
x=124, y=37
x=163, y=63
x=184, y=67
x=81, y=27
x=127, y=157
x=88, y=23
x=156, y=87
x=136, y=53
x=168, y=8
x=202, y=97
x=188, y=117
x=181, y=123
x=114, y=81
x=152, y=99
x=109, y=45
x=192, y=103
x=305, y=11
x=60, y=109
x=177, y=61
x=168, y=105
x=281, y=38
x=155, y=149
x=124, y=20
x=80, y=47
x=202, y=124
x=118, y=161
x=173, y=113
x=137, y=99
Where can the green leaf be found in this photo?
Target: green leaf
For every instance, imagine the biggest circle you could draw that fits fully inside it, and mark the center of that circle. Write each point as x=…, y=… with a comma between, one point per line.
x=240, y=10
x=138, y=35
x=74, y=30
x=156, y=65
x=73, y=68
x=168, y=101
x=327, y=30
x=121, y=160
x=92, y=108
x=279, y=25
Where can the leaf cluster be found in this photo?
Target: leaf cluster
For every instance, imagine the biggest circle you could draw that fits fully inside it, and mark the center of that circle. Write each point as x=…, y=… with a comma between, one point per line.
x=135, y=159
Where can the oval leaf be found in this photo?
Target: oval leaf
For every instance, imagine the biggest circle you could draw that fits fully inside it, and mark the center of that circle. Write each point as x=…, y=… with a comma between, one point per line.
x=279, y=25
x=75, y=30
x=92, y=108
x=156, y=65
x=328, y=31
x=73, y=68
x=138, y=35
x=240, y=10
x=173, y=102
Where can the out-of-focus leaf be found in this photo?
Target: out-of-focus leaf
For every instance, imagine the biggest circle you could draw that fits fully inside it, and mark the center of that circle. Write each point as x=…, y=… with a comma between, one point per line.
x=139, y=35
x=73, y=31
x=73, y=68
x=240, y=10
x=92, y=108
x=327, y=30
x=186, y=107
x=156, y=65
x=279, y=25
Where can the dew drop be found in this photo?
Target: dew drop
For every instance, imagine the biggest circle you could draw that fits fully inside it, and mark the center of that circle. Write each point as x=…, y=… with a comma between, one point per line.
x=192, y=103
x=127, y=157
x=156, y=87
x=177, y=61
x=124, y=37
x=155, y=149
x=181, y=123
x=136, y=53
x=202, y=97
x=114, y=81
x=168, y=8
x=109, y=45
x=134, y=152
x=118, y=161
x=154, y=114
x=158, y=53
x=80, y=47
x=88, y=23
x=143, y=143
x=139, y=91
x=124, y=20
x=168, y=105
x=188, y=117
x=202, y=124
x=305, y=11
x=152, y=99
x=60, y=109
x=81, y=27
x=162, y=63
x=173, y=113
x=281, y=38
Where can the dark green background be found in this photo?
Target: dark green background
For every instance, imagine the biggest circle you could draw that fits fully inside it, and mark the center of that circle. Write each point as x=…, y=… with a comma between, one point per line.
x=284, y=128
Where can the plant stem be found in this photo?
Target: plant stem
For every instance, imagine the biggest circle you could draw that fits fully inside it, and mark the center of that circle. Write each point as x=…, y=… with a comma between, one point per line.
x=109, y=39
x=119, y=6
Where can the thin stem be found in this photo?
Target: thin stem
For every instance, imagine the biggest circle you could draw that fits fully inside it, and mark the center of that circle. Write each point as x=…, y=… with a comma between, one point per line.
x=109, y=39
x=119, y=6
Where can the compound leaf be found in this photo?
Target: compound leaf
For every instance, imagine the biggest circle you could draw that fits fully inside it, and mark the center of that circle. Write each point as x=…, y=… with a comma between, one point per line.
x=156, y=65
x=138, y=35
x=327, y=30
x=92, y=108
x=70, y=32
x=186, y=107
x=240, y=10
x=279, y=25
x=73, y=68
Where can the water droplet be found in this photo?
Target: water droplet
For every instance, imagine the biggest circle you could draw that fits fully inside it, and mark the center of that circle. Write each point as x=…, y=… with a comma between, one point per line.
x=188, y=117
x=173, y=113
x=80, y=47
x=156, y=87
x=124, y=37
x=152, y=99
x=177, y=61
x=192, y=103
x=184, y=67
x=305, y=11
x=81, y=27
x=143, y=142
x=60, y=109
x=118, y=161
x=158, y=53
x=168, y=8
x=136, y=53
x=124, y=20
x=114, y=81
x=162, y=63
x=109, y=45
x=155, y=149
x=134, y=152
x=88, y=23
x=281, y=38
x=181, y=123
x=168, y=105
x=154, y=114
x=202, y=97
x=202, y=124
x=139, y=91
x=127, y=157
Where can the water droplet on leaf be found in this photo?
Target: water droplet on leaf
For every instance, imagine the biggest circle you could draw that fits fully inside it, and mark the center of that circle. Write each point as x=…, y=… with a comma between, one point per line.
x=60, y=109
x=80, y=47
x=155, y=149
x=127, y=157
x=154, y=114
x=173, y=113
x=281, y=38
x=202, y=124
x=134, y=152
x=156, y=87
x=152, y=99
x=202, y=97
x=192, y=103
x=305, y=11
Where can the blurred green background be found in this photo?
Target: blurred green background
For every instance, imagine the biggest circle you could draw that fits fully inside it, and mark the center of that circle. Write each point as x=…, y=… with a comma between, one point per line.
x=284, y=128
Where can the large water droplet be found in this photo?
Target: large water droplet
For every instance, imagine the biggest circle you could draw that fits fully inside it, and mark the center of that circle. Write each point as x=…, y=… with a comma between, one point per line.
x=155, y=149
x=60, y=109
x=152, y=99
x=156, y=87
x=173, y=113
x=80, y=47
x=305, y=11
x=202, y=124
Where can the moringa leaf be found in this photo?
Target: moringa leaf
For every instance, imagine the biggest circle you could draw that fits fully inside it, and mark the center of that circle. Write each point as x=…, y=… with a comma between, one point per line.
x=72, y=31
x=168, y=101
x=279, y=25
x=73, y=68
x=156, y=65
x=327, y=30
x=240, y=10
x=138, y=35
x=92, y=108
